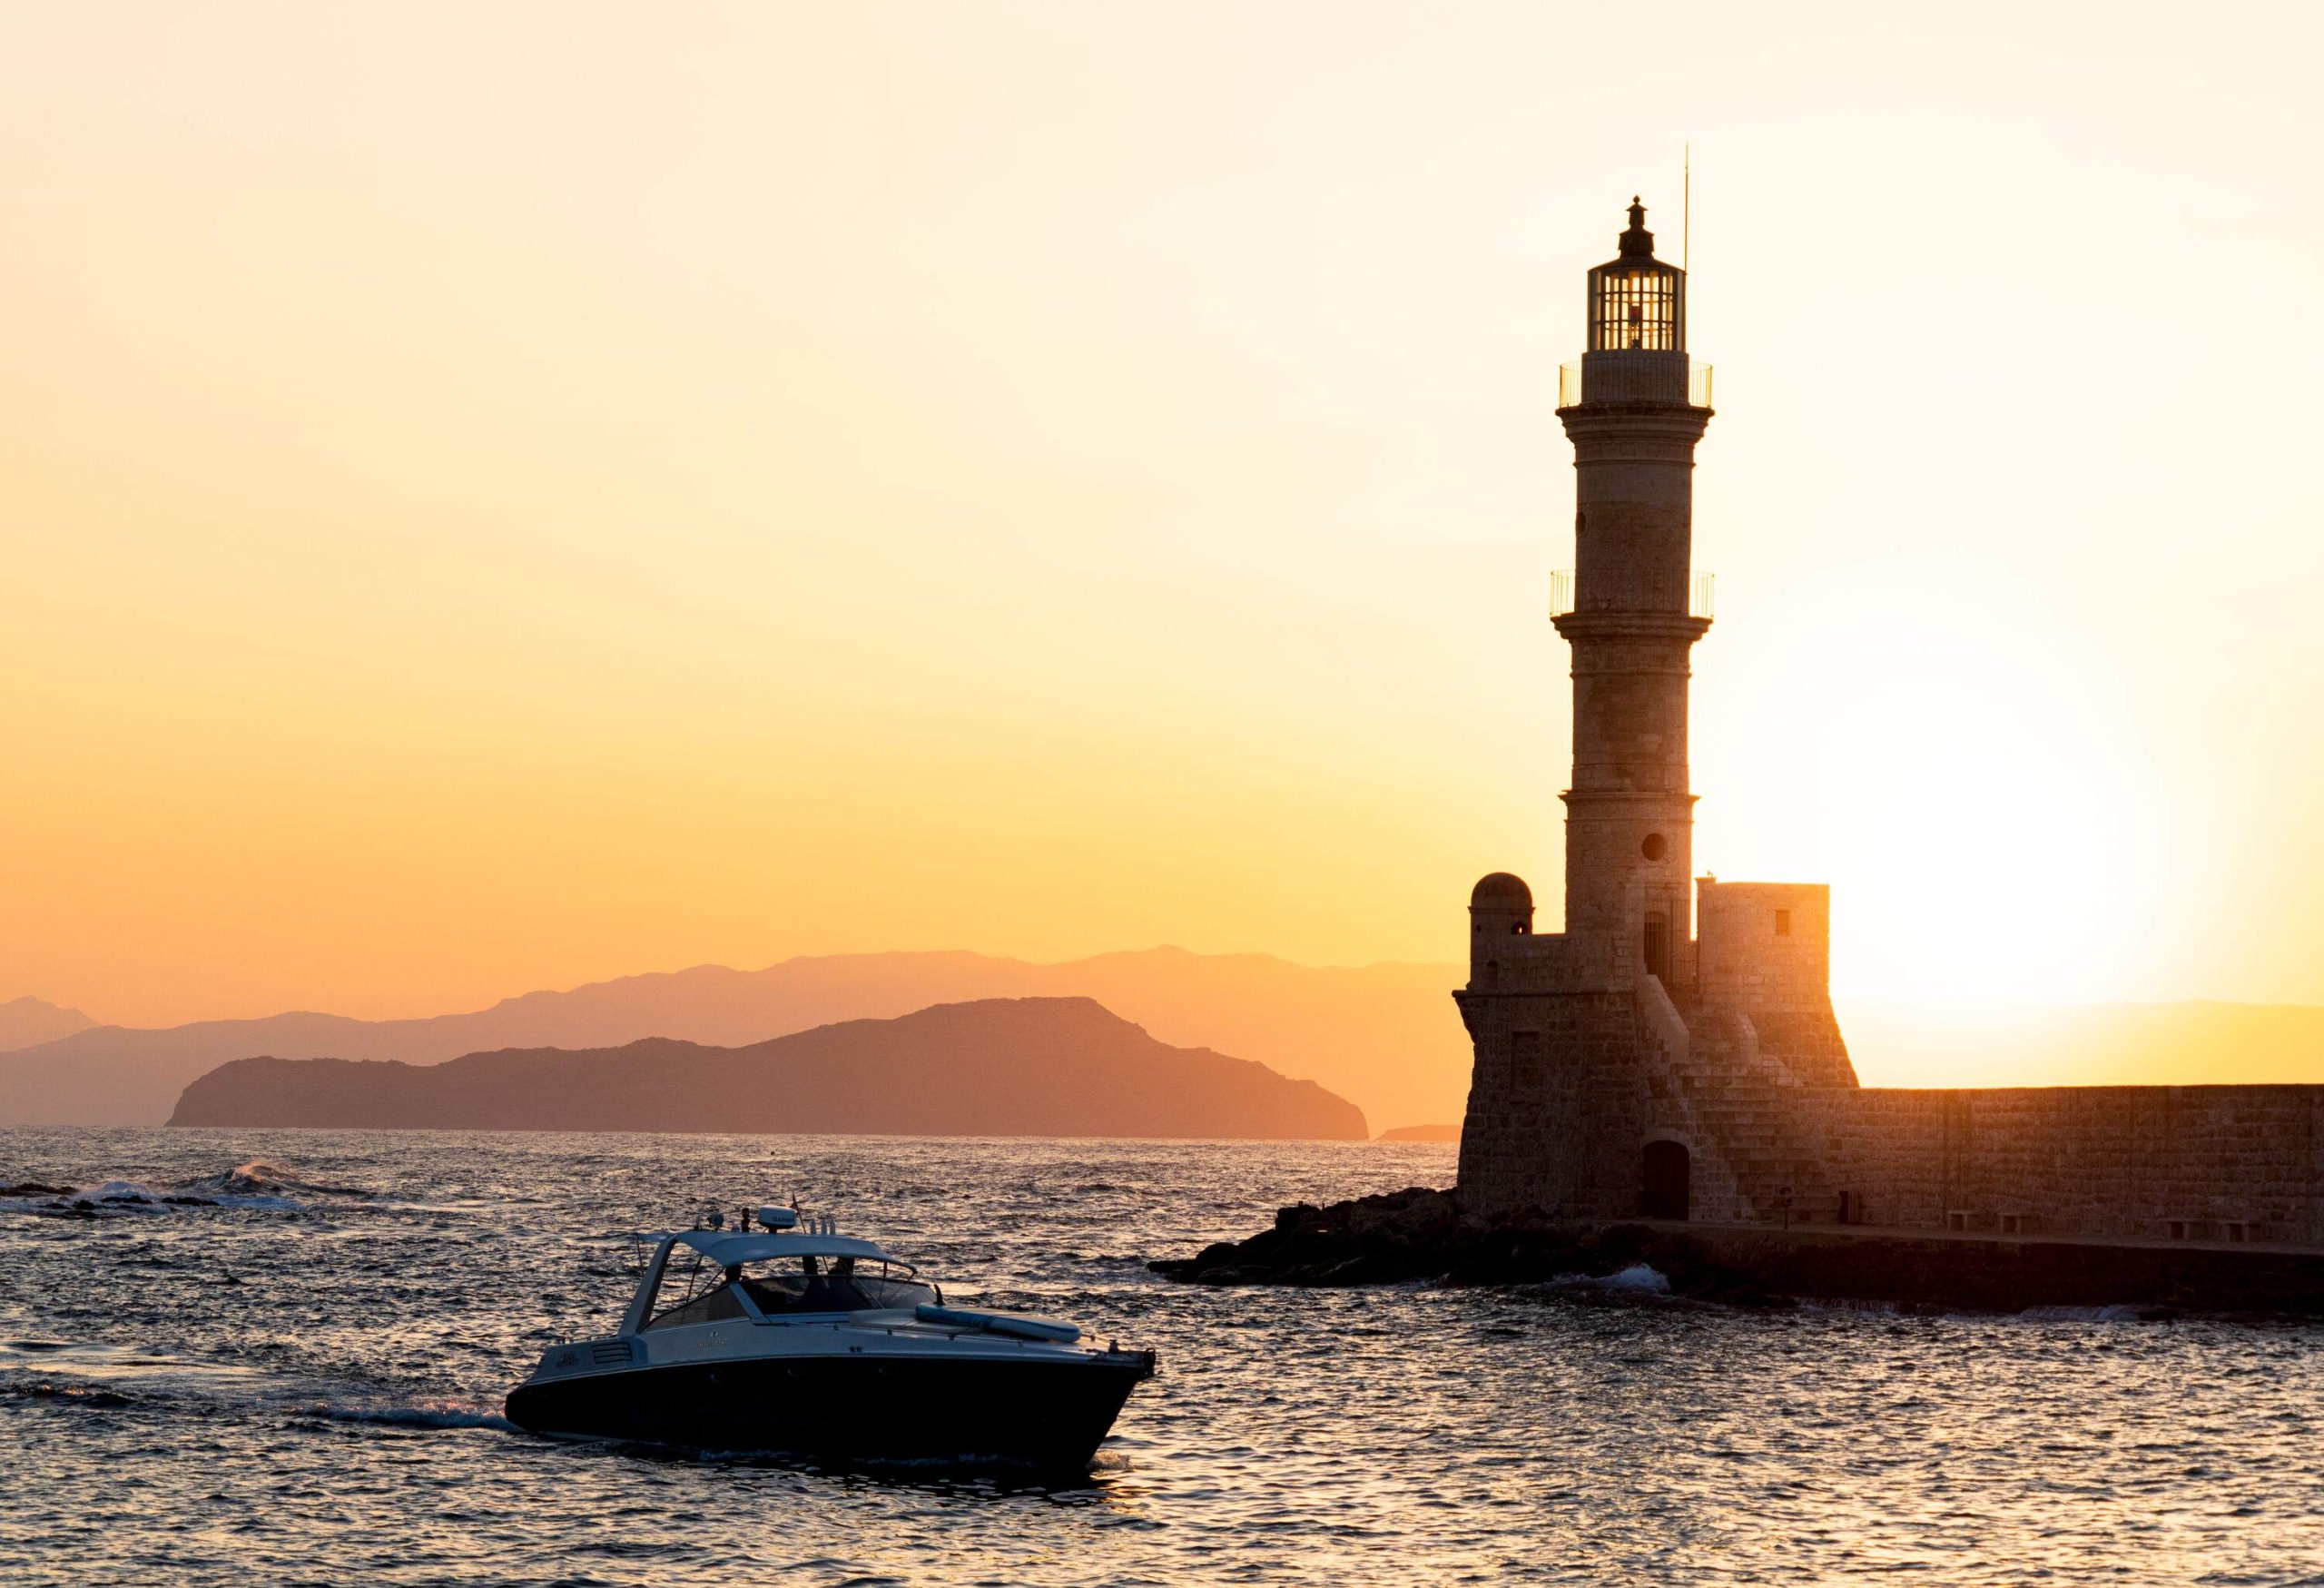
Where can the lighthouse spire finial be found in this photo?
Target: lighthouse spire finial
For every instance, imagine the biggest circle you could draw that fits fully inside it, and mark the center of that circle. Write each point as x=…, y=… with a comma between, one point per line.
x=1638, y=241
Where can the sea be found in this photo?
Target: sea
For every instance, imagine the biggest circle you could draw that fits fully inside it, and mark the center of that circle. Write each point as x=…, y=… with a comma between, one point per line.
x=302, y=1383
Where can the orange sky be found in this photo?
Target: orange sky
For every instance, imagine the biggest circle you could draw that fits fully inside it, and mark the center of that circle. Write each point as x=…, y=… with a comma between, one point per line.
x=494, y=496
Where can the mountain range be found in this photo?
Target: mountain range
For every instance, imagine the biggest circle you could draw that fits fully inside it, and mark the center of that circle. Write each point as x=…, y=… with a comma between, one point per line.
x=26, y=1020
x=1383, y=1036
x=996, y=1067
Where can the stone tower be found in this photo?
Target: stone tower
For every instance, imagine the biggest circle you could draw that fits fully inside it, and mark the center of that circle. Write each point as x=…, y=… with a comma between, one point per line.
x=1634, y=417
x=1638, y=1063
x=1653, y=1060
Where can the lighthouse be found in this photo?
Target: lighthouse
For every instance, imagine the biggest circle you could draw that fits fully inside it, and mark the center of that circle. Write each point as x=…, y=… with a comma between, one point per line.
x=1653, y=1060
x=1634, y=406
x=1608, y=1054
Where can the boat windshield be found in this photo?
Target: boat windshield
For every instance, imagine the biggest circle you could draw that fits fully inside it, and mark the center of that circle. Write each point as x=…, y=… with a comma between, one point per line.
x=791, y=1286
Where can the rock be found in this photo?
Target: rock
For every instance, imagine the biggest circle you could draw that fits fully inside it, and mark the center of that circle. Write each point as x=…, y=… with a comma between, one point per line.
x=1422, y=1234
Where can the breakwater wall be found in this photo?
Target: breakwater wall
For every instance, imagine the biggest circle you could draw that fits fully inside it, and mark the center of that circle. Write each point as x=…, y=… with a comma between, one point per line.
x=1422, y=1234
x=1986, y=1275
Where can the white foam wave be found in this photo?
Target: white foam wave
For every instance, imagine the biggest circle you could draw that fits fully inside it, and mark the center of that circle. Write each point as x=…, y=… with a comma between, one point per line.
x=1638, y=1280
x=262, y=1178
x=425, y=1414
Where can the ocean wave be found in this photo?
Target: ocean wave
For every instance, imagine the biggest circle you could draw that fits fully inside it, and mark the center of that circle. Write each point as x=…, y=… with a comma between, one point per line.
x=420, y=1413
x=259, y=1178
x=1867, y=1306
x=137, y=1196
x=95, y=1397
x=257, y=1185
x=1638, y=1280
x=99, y=1199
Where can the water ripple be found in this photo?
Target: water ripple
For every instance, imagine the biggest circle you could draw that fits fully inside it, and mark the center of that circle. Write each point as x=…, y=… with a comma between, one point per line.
x=301, y=1382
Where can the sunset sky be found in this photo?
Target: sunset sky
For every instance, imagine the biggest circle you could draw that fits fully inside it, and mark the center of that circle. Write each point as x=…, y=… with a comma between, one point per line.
x=494, y=496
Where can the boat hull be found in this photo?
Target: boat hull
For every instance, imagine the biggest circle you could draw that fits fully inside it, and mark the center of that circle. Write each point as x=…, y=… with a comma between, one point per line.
x=1050, y=1414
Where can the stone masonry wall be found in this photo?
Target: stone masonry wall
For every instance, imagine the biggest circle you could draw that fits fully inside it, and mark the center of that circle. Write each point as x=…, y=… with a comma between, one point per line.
x=1558, y=1095
x=1765, y=953
x=1556, y=1098
x=2194, y=1162
x=1765, y=945
x=2146, y=1162
x=1582, y=1059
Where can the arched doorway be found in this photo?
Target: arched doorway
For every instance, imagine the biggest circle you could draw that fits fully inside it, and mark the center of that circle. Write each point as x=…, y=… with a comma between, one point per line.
x=1669, y=1175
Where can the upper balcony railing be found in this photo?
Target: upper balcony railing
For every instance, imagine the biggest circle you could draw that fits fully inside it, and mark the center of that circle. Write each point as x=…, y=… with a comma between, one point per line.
x=1630, y=377
x=1700, y=588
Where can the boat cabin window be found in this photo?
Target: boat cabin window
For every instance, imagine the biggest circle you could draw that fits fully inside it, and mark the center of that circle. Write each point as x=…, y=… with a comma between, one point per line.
x=698, y=1291
x=832, y=1284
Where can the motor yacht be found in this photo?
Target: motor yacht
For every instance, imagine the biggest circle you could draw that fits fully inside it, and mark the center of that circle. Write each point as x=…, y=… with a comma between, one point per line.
x=793, y=1337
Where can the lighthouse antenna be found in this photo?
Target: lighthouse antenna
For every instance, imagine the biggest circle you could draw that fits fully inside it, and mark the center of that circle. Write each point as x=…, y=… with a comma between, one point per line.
x=1686, y=203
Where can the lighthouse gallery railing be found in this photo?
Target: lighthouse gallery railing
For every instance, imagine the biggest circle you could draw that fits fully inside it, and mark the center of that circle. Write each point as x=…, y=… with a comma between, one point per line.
x=1700, y=588
x=1632, y=376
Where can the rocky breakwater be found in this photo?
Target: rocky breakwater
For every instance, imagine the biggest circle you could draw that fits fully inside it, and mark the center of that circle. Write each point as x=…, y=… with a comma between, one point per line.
x=1422, y=1234
x=1418, y=1234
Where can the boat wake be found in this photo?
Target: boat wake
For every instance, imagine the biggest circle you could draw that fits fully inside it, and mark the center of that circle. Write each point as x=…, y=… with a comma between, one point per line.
x=421, y=1414
x=89, y=1375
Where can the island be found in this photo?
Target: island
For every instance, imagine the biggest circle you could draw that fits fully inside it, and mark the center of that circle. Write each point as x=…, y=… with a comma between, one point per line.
x=994, y=1066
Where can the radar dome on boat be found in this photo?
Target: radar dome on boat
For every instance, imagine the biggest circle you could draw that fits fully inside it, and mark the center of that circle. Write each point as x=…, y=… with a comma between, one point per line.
x=777, y=1217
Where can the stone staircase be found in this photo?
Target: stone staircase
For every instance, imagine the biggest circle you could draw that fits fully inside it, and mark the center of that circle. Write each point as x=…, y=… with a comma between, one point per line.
x=1711, y=1086
x=1674, y=1102
x=1736, y=1093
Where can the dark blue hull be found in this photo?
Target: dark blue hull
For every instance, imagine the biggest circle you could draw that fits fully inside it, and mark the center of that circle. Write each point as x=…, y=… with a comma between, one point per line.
x=1050, y=1414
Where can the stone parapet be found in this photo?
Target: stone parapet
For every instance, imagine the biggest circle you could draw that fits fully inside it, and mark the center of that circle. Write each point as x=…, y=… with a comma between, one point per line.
x=1585, y=962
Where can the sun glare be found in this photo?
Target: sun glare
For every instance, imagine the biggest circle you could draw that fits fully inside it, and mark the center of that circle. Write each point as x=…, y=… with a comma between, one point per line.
x=1956, y=770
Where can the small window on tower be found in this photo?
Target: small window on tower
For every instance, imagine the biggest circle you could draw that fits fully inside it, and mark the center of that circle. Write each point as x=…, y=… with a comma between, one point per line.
x=1655, y=847
x=1783, y=924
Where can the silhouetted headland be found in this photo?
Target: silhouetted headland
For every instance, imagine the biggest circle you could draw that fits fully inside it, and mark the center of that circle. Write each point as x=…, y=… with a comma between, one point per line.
x=999, y=1067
